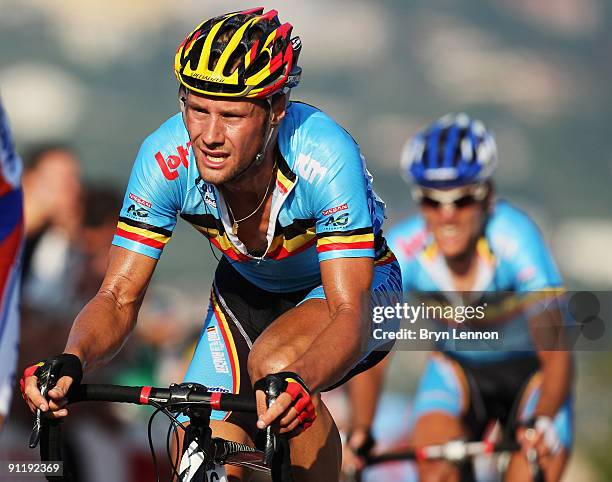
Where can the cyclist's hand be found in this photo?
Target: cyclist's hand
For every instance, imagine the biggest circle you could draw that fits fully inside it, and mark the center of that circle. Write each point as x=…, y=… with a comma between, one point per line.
x=359, y=443
x=539, y=434
x=69, y=370
x=293, y=409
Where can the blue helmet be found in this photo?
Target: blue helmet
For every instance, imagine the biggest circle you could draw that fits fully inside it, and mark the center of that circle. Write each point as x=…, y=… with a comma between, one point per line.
x=451, y=152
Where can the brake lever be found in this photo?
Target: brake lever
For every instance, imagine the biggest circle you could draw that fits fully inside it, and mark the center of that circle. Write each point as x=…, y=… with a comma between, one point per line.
x=270, y=436
x=46, y=381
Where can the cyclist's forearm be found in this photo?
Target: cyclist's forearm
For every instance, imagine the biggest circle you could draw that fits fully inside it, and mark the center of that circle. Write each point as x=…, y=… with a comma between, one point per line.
x=333, y=353
x=101, y=328
x=556, y=372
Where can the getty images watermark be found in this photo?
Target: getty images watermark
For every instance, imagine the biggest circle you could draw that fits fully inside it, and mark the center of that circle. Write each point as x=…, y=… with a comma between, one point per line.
x=411, y=314
x=493, y=321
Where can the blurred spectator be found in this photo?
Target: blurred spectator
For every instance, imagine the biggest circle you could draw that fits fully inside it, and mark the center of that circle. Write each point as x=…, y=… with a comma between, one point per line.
x=53, y=212
x=65, y=255
x=77, y=229
x=102, y=205
x=159, y=351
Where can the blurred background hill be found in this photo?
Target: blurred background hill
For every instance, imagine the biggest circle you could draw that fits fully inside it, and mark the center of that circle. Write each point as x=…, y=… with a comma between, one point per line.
x=99, y=76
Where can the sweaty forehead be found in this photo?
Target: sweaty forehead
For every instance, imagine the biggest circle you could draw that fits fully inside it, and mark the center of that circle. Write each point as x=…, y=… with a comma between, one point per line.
x=222, y=104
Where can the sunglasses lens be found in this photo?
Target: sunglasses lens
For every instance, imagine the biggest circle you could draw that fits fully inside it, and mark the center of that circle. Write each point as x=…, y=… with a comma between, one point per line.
x=429, y=202
x=462, y=202
x=465, y=201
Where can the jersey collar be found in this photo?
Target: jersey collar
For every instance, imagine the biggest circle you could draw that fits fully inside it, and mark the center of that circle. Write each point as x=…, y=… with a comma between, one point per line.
x=284, y=183
x=432, y=261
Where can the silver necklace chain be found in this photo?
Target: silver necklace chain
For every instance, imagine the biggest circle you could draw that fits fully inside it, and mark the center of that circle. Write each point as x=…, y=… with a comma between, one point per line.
x=235, y=221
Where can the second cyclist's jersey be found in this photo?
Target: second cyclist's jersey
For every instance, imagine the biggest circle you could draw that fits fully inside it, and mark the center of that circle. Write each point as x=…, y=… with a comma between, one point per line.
x=323, y=205
x=10, y=163
x=11, y=211
x=11, y=234
x=515, y=268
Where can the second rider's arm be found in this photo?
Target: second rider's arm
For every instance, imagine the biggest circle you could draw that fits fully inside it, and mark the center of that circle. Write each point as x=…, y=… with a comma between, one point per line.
x=556, y=362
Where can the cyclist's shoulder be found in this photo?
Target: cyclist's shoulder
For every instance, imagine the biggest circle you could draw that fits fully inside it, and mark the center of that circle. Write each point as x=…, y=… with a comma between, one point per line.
x=408, y=237
x=518, y=244
x=509, y=224
x=306, y=118
x=164, y=155
x=309, y=133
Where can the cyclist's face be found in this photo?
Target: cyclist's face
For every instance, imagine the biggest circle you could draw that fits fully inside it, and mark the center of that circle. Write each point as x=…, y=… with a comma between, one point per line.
x=226, y=135
x=455, y=226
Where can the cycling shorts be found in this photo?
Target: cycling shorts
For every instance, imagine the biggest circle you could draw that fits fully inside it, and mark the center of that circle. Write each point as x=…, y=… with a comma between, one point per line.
x=238, y=313
x=506, y=391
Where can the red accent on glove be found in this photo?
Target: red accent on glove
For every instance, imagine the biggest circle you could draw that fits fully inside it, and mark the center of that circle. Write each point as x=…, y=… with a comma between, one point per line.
x=28, y=372
x=306, y=412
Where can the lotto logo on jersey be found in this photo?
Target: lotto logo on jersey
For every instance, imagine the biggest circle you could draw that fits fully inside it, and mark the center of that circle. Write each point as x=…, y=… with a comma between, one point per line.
x=169, y=165
x=310, y=169
x=412, y=246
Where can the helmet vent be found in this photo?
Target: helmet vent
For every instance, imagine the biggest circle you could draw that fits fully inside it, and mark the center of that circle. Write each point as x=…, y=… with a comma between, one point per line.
x=260, y=62
x=234, y=60
x=255, y=33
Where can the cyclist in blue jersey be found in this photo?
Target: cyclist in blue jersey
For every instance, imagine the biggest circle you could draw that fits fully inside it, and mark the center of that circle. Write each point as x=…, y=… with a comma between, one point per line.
x=282, y=192
x=11, y=235
x=466, y=240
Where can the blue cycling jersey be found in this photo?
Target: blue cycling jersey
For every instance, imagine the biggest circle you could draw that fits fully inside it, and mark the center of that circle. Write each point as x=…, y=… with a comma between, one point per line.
x=512, y=258
x=11, y=234
x=10, y=163
x=323, y=205
x=11, y=215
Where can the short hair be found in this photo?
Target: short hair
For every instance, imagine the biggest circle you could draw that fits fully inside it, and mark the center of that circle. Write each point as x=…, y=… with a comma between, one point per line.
x=102, y=205
x=34, y=153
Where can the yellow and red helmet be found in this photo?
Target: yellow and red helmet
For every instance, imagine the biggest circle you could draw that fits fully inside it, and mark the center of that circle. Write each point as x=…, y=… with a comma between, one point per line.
x=239, y=54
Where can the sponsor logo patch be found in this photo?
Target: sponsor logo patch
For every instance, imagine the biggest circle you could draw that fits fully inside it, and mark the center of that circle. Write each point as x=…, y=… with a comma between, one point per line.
x=218, y=389
x=335, y=209
x=140, y=201
x=209, y=196
x=411, y=246
x=217, y=350
x=135, y=211
x=310, y=169
x=169, y=165
x=337, y=221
